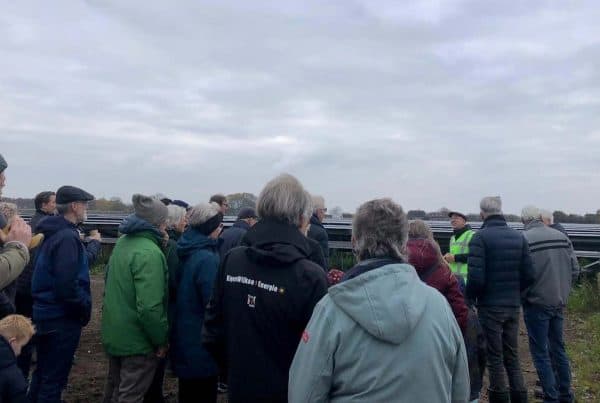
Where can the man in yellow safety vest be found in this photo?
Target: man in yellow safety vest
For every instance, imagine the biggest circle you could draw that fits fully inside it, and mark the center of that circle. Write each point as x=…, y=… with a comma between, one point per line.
x=459, y=245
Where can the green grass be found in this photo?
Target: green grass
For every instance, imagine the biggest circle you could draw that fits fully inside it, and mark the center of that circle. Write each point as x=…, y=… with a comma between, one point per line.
x=585, y=298
x=584, y=346
x=341, y=259
x=101, y=261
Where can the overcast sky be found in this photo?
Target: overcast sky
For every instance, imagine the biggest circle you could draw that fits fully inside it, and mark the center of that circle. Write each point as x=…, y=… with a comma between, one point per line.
x=433, y=103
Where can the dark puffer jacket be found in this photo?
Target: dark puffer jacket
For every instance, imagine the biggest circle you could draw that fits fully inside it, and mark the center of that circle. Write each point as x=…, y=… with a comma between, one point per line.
x=423, y=256
x=499, y=265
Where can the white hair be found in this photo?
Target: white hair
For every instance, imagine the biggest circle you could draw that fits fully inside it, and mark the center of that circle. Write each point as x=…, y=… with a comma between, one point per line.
x=174, y=215
x=203, y=212
x=307, y=214
x=530, y=213
x=284, y=199
x=547, y=215
x=379, y=229
x=318, y=202
x=491, y=205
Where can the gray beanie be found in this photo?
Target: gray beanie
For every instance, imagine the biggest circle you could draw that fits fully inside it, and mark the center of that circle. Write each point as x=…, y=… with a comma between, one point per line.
x=3, y=164
x=149, y=209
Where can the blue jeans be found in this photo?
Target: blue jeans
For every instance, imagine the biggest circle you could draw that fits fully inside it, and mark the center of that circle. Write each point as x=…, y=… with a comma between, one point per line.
x=545, y=329
x=56, y=342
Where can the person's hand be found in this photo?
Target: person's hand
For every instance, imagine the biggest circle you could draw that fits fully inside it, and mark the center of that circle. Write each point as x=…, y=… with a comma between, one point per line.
x=449, y=257
x=162, y=351
x=19, y=232
x=95, y=235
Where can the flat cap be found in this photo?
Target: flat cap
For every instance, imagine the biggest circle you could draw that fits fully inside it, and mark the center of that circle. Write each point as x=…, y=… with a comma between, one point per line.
x=451, y=213
x=3, y=163
x=69, y=194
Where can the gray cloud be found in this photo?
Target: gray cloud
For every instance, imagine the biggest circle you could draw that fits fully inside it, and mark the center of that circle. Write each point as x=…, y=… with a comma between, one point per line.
x=432, y=103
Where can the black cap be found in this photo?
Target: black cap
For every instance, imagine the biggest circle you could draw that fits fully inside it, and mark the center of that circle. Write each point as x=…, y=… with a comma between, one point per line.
x=247, y=212
x=450, y=214
x=69, y=194
x=3, y=163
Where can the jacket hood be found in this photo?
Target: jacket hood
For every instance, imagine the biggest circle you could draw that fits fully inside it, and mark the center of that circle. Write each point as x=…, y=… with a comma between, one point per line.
x=132, y=224
x=421, y=254
x=7, y=355
x=52, y=224
x=387, y=302
x=496, y=220
x=275, y=243
x=192, y=240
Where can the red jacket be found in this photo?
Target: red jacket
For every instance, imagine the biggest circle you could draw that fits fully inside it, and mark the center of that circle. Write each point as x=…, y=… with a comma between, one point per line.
x=423, y=256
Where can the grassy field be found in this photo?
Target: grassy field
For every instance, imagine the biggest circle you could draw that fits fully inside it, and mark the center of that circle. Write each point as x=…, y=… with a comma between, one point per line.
x=583, y=334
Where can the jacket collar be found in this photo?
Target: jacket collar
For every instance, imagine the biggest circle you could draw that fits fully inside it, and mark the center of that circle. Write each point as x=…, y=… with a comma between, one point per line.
x=533, y=224
x=241, y=224
x=459, y=232
x=496, y=220
x=314, y=220
x=368, y=265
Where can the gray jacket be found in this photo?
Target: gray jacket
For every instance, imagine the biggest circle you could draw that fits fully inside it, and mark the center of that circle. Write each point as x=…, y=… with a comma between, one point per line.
x=383, y=336
x=555, y=266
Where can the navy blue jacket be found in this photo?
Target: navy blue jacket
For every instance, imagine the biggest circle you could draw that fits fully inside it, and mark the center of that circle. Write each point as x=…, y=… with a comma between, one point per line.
x=61, y=280
x=199, y=262
x=232, y=237
x=318, y=233
x=24, y=280
x=13, y=388
x=499, y=265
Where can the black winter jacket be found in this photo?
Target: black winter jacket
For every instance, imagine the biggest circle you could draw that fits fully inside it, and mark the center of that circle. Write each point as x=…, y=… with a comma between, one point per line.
x=232, y=237
x=13, y=388
x=499, y=265
x=263, y=298
x=318, y=233
x=316, y=253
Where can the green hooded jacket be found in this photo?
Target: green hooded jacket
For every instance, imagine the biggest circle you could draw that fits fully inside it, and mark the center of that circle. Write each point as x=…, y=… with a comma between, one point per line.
x=134, y=317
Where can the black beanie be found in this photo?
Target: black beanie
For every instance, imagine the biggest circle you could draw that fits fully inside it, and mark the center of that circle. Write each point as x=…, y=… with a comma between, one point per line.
x=207, y=227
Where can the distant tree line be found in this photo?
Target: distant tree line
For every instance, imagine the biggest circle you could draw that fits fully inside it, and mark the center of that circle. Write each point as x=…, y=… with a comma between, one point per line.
x=559, y=216
x=239, y=200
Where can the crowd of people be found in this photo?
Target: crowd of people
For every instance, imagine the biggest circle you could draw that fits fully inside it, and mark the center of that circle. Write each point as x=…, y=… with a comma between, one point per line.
x=254, y=311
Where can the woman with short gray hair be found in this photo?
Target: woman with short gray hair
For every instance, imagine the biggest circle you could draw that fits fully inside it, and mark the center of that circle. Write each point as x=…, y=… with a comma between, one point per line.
x=265, y=291
x=415, y=348
x=379, y=229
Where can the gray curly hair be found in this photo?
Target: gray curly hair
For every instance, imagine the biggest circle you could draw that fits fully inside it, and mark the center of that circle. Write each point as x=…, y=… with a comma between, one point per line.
x=380, y=228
